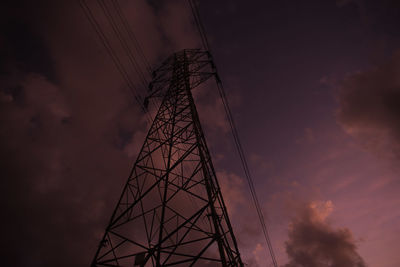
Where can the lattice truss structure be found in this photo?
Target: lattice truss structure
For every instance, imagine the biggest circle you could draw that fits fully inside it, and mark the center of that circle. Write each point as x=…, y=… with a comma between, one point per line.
x=171, y=211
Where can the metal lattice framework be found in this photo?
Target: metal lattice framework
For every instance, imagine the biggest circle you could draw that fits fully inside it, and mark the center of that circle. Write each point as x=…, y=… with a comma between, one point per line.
x=171, y=211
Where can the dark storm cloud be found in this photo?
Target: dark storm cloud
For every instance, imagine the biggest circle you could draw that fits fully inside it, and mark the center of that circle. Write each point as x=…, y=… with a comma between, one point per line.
x=370, y=107
x=315, y=243
x=53, y=162
x=69, y=131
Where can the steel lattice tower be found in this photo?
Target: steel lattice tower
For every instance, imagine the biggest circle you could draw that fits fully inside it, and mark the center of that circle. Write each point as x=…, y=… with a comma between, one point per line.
x=171, y=211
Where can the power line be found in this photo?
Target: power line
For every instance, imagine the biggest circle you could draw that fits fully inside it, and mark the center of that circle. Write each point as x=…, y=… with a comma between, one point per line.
x=199, y=25
x=122, y=41
x=104, y=40
x=235, y=135
x=132, y=35
x=116, y=60
x=134, y=41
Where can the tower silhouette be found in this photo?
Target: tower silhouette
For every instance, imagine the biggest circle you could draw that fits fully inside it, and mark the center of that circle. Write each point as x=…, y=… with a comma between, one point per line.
x=171, y=211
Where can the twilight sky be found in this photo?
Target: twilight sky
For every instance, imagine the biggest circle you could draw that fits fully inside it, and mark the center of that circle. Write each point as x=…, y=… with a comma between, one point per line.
x=314, y=88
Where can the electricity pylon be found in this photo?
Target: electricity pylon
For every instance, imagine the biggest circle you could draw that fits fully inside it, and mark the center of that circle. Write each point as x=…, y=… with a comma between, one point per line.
x=171, y=211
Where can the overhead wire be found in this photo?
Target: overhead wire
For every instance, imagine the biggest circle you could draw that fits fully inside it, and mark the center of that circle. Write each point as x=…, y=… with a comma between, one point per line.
x=123, y=42
x=104, y=40
x=132, y=36
x=118, y=31
x=235, y=135
x=112, y=53
x=134, y=40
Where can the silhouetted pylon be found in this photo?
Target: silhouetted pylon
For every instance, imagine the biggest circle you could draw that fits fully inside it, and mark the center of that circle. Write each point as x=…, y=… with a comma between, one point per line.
x=171, y=211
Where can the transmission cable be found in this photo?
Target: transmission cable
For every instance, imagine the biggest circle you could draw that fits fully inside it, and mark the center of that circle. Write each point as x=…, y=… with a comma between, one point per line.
x=117, y=62
x=235, y=135
x=122, y=41
x=134, y=41
x=132, y=35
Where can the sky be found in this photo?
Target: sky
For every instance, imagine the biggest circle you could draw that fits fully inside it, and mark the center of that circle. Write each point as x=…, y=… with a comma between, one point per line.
x=314, y=89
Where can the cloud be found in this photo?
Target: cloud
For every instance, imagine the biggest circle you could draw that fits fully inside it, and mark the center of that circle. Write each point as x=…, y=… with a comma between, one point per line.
x=370, y=107
x=232, y=187
x=69, y=129
x=313, y=242
x=258, y=250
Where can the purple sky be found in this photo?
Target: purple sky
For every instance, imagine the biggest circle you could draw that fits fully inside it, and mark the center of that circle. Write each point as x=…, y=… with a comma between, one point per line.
x=314, y=88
